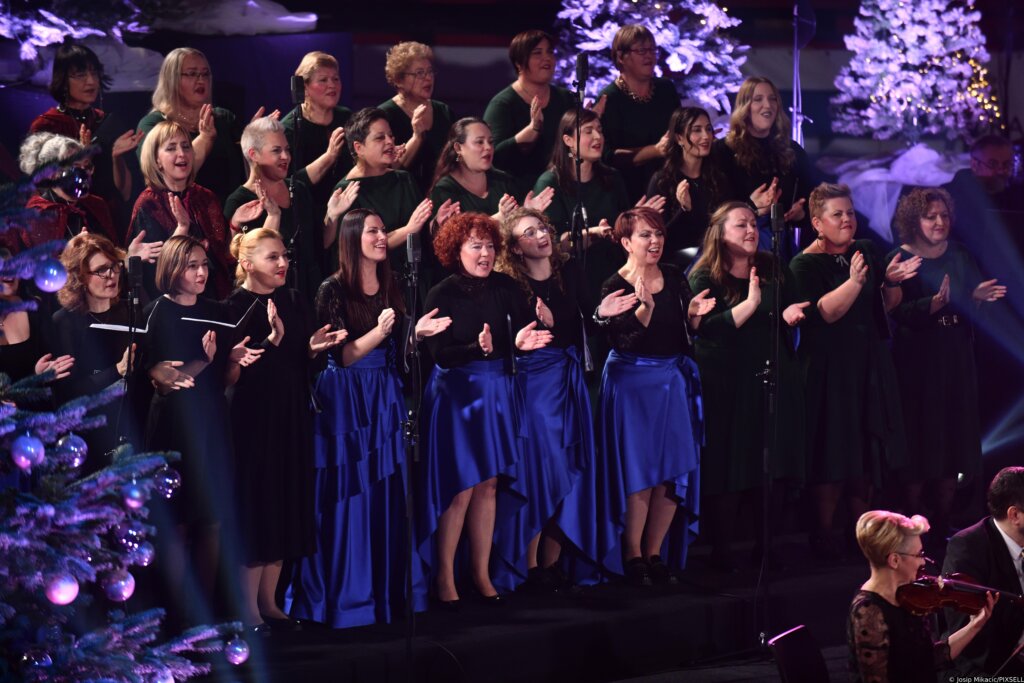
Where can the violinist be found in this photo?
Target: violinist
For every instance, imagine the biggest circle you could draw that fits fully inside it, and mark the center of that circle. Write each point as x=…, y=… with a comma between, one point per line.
x=990, y=552
x=887, y=642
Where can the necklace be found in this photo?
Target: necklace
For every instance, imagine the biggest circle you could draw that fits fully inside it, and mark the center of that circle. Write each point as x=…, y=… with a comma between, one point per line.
x=621, y=82
x=79, y=115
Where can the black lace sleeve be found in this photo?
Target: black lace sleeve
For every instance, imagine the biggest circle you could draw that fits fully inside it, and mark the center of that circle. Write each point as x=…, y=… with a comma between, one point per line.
x=330, y=304
x=869, y=640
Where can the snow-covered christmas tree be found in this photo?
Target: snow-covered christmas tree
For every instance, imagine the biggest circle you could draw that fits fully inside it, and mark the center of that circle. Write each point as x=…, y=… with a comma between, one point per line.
x=697, y=54
x=61, y=531
x=918, y=68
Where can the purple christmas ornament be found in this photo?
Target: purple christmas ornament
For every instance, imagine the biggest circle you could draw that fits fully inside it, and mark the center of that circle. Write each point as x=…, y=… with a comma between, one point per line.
x=50, y=275
x=119, y=585
x=36, y=659
x=27, y=451
x=62, y=589
x=143, y=555
x=134, y=496
x=72, y=448
x=167, y=481
x=236, y=651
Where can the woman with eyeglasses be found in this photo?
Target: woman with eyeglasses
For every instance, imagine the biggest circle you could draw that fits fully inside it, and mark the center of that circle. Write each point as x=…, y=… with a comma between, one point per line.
x=183, y=95
x=471, y=416
x=559, y=441
x=638, y=106
x=174, y=203
x=887, y=643
x=933, y=349
x=92, y=295
x=418, y=122
x=77, y=83
x=524, y=116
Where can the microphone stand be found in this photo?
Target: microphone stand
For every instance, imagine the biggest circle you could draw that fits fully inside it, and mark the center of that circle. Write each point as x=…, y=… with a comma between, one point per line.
x=298, y=97
x=410, y=356
x=134, y=289
x=578, y=221
x=770, y=427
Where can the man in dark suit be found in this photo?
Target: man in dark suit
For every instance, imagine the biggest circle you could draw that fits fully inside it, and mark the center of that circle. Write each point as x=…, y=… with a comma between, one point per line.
x=992, y=552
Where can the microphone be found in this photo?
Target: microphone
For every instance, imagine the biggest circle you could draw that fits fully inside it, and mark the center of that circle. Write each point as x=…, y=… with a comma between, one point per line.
x=134, y=271
x=298, y=90
x=413, y=249
x=778, y=224
x=582, y=71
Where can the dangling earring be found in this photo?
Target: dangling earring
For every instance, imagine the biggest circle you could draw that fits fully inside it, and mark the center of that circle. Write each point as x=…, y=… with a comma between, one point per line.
x=571, y=155
x=458, y=158
x=819, y=236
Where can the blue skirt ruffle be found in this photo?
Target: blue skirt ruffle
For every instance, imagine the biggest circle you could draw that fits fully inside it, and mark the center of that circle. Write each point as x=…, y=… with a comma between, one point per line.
x=650, y=430
x=558, y=444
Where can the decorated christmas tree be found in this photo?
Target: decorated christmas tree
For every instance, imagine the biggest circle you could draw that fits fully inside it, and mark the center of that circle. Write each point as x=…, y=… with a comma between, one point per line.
x=697, y=54
x=918, y=68
x=61, y=531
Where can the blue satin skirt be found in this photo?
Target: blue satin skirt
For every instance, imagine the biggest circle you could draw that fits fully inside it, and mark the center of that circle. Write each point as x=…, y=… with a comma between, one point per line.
x=557, y=445
x=470, y=433
x=357, y=575
x=650, y=428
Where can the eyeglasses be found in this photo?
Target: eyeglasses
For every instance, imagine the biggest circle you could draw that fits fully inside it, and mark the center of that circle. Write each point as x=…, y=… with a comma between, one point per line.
x=196, y=75
x=995, y=165
x=920, y=556
x=534, y=233
x=644, y=51
x=81, y=75
x=421, y=74
x=108, y=271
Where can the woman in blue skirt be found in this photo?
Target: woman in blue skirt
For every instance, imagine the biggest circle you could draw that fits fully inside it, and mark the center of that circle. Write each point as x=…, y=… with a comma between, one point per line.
x=649, y=416
x=558, y=425
x=470, y=424
x=357, y=575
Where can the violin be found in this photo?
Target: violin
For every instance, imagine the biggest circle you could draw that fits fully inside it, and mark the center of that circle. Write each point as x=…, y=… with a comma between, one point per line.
x=957, y=591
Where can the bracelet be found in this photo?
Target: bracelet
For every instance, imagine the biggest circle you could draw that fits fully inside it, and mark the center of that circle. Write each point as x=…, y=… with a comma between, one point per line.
x=599, y=320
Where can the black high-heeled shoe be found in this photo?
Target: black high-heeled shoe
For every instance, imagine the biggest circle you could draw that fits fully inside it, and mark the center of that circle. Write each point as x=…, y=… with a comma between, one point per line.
x=279, y=624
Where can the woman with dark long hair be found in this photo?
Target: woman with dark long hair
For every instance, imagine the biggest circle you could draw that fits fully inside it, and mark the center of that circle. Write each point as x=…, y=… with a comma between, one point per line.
x=357, y=575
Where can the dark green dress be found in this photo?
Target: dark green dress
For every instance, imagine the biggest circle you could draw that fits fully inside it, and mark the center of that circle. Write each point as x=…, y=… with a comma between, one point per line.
x=498, y=185
x=934, y=356
x=425, y=163
x=224, y=169
x=854, y=418
x=628, y=124
x=307, y=274
x=313, y=139
x=393, y=196
x=604, y=257
x=731, y=359
x=507, y=114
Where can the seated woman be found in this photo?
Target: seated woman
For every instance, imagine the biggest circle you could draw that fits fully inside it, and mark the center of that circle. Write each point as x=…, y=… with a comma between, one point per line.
x=637, y=108
x=92, y=294
x=76, y=84
x=418, y=122
x=173, y=203
x=524, y=116
x=466, y=175
x=318, y=142
x=758, y=153
x=887, y=643
x=184, y=92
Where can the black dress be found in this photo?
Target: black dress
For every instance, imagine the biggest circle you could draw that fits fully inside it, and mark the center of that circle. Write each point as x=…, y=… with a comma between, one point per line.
x=854, y=420
x=312, y=142
x=934, y=356
x=272, y=425
x=888, y=644
x=731, y=360
x=194, y=421
x=423, y=166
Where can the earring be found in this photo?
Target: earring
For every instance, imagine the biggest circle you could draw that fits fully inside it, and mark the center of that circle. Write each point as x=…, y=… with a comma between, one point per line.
x=820, y=236
x=458, y=158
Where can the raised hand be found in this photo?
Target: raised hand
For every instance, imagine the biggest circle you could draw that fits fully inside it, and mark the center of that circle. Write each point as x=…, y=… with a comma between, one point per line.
x=530, y=338
x=899, y=270
x=399, y=153
x=122, y=365
x=428, y=325
x=243, y=355
x=246, y=213
x=341, y=200
x=210, y=345
x=147, y=251
x=336, y=143
x=540, y=201
x=656, y=202
x=276, y=324
x=84, y=135
x=386, y=321
x=420, y=215
x=167, y=378
x=126, y=142
x=207, y=125
x=941, y=297
x=422, y=118
x=683, y=195
x=662, y=145
x=506, y=205
x=989, y=291
x=276, y=114
x=754, y=288
x=602, y=230
x=796, y=212
x=794, y=313
x=484, y=340
x=180, y=214
x=324, y=339
x=765, y=195
x=645, y=297
x=598, y=107
x=858, y=268
x=60, y=365
x=616, y=303
x=269, y=205
x=544, y=314
x=536, y=114
x=448, y=209
x=701, y=304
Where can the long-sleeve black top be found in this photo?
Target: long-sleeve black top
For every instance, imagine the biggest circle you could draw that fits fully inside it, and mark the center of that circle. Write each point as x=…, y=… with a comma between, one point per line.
x=471, y=302
x=96, y=352
x=334, y=305
x=666, y=333
x=571, y=306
